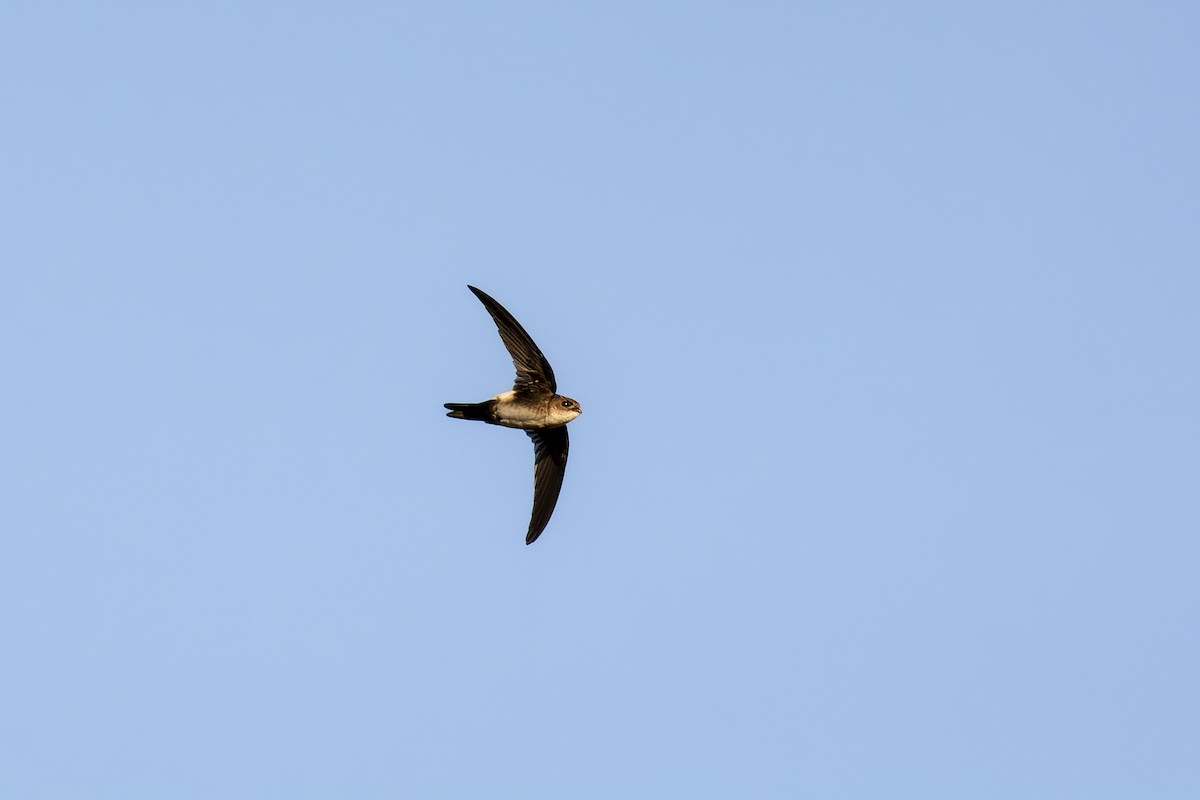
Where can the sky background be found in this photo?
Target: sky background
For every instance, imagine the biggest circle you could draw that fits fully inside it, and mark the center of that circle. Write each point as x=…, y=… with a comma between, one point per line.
x=884, y=318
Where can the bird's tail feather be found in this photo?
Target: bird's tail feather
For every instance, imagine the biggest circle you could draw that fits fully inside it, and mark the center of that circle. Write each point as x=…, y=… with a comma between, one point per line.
x=470, y=410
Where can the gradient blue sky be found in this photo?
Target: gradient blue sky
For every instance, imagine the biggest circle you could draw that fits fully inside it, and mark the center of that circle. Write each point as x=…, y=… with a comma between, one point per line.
x=885, y=322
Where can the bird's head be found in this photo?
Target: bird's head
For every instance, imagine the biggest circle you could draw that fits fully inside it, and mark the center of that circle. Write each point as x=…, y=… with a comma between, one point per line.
x=563, y=409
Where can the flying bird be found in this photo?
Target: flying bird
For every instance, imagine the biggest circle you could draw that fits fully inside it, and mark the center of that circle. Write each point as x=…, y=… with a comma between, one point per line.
x=534, y=406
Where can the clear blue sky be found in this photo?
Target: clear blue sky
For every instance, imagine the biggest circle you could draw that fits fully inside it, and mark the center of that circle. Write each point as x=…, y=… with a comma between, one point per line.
x=884, y=318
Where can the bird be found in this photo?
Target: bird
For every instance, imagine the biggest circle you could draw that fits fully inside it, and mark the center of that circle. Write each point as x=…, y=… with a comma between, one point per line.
x=534, y=406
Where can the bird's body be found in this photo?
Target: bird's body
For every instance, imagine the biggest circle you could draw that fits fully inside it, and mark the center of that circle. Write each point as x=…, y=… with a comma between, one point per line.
x=513, y=410
x=534, y=406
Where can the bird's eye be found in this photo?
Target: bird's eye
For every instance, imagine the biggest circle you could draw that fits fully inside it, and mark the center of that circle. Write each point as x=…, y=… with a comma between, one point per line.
x=566, y=403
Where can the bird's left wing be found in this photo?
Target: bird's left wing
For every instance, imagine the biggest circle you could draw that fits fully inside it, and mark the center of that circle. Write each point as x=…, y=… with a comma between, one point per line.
x=549, y=465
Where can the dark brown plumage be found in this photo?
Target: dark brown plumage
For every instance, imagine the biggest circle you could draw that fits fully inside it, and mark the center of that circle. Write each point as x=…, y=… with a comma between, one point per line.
x=534, y=406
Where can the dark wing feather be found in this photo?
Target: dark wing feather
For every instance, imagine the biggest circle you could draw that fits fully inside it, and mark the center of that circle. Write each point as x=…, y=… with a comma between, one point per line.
x=549, y=464
x=533, y=370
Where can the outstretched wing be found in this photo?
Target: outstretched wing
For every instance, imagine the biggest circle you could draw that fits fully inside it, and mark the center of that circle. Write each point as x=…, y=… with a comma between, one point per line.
x=549, y=465
x=533, y=370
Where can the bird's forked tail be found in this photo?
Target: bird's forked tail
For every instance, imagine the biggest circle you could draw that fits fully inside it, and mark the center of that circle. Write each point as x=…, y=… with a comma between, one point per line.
x=470, y=410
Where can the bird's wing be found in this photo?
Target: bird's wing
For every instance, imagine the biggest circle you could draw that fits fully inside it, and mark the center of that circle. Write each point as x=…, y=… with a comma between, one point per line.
x=533, y=370
x=549, y=465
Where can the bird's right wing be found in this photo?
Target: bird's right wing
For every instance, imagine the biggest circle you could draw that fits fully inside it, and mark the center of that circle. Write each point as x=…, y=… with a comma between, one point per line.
x=533, y=370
